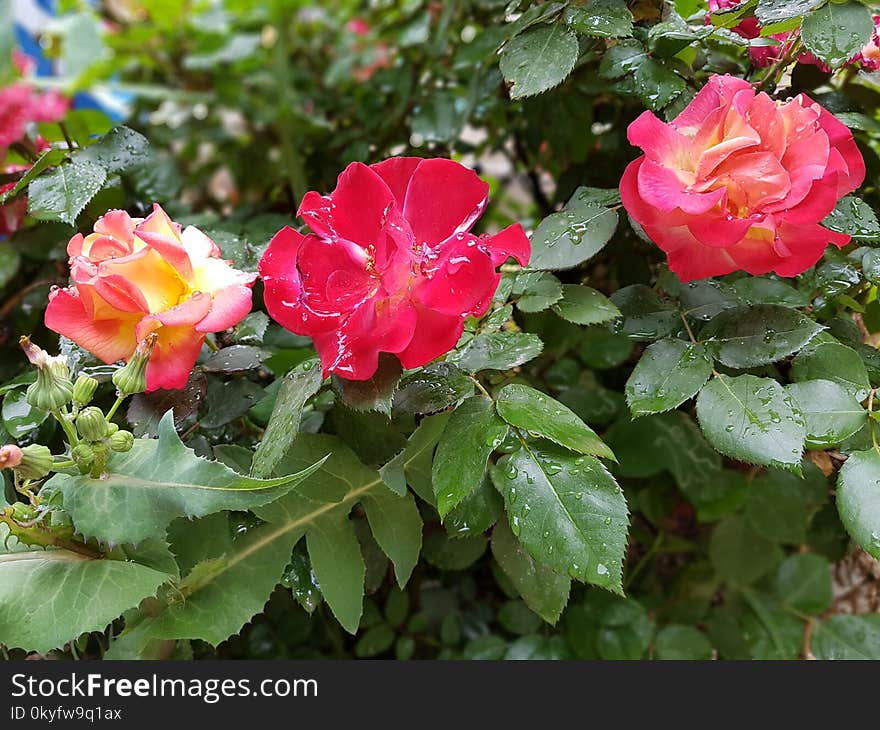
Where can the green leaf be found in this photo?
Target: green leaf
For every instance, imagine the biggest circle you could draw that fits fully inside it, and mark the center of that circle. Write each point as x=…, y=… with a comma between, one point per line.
x=535, y=291
x=854, y=217
x=571, y=236
x=62, y=193
x=432, y=389
x=10, y=261
x=538, y=60
x=752, y=419
x=803, y=582
x=298, y=386
x=413, y=465
x=779, y=506
x=669, y=372
x=375, y=393
x=532, y=410
x=762, y=290
x=858, y=499
x=45, y=160
x=831, y=413
x=476, y=513
x=156, y=482
x=20, y=417
x=622, y=59
x=682, y=642
x=847, y=637
x=644, y=315
x=543, y=590
x=566, y=510
x=583, y=305
x=49, y=597
x=339, y=567
x=375, y=640
x=601, y=19
x=497, y=351
x=473, y=432
x=831, y=360
x=657, y=84
x=745, y=337
x=776, y=11
x=740, y=554
x=837, y=31
x=119, y=150
x=397, y=527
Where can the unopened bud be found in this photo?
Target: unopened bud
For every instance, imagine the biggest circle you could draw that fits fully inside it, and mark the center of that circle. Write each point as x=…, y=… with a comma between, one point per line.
x=122, y=441
x=84, y=390
x=53, y=388
x=83, y=455
x=36, y=462
x=10, y=456
x=91, y=424
x=131, y=378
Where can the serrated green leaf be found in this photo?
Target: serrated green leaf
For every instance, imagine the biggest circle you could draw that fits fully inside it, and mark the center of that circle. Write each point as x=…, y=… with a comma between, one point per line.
x=538, y=60
x=538, y=413
x=739, y=553
x=413, y=465
x=831, y=360
x=49, y=597
x=62, y=193
x=374, y=394
x=858, y=499
x=644, y=316
x=119, y=150
x=497, y=351
x=583, y=305
x=837, y=31
x=601, y=19
x=535, y=291
x=776, y=11
x=745, y=337
x=752, y=419
x=448, y=553
x=156, y=482
x=678, y=642
x=571, y=236
x=657, y=84
x=432, y=389
x=854, y=217
x=668, y=373
x=339, y=567
x=473, y=432
x=397, y=527
x=46, y=160
x=566, y=510
x=847, y=637
x=476, y=513
x=298, y=386
x=543, y=590
x=803, y=582
x=831, y=413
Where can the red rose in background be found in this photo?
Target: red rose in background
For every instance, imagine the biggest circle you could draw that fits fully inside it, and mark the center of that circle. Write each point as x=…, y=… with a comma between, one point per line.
x=391, y=265
x=740, y=181
x=21, y=105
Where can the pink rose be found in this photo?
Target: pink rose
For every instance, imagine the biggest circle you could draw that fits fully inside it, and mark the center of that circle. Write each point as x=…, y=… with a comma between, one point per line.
x=21, y=105
x=739, y=181
x=136, y=276
x=391, y=265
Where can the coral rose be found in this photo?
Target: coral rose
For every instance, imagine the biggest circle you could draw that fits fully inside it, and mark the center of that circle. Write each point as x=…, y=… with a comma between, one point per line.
x=135, y=276
x=740, y=181
x=391, y=266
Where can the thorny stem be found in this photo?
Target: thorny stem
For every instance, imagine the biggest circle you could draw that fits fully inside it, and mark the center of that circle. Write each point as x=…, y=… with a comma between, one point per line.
x=480, y=386
x=778, y=68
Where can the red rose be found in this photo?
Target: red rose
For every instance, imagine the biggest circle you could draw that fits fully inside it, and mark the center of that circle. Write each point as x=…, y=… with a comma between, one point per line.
x=391, y=265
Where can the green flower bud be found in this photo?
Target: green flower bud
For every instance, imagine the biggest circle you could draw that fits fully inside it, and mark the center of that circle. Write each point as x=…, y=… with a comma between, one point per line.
x=111, y=428
x=122, y=441
x=84, y=390
x=91, y=424
x=83, y=454
x=53, y=388
x=24, y=512
x=36, y=462
x=132, y=377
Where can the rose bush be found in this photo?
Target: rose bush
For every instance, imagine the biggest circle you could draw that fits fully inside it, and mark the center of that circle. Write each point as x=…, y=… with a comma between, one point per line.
x=391, y=266
x=640, y=422
x=136, y=276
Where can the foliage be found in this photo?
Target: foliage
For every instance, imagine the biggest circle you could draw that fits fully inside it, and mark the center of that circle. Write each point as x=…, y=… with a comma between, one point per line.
x=611, y=463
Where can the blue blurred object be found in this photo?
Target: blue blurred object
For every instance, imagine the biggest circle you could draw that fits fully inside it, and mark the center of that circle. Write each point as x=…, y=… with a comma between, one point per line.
x=31, y=18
